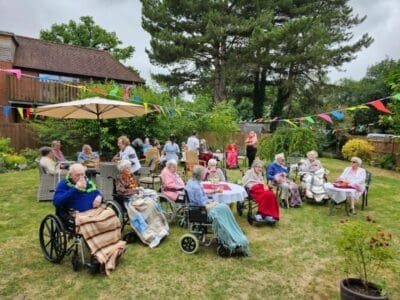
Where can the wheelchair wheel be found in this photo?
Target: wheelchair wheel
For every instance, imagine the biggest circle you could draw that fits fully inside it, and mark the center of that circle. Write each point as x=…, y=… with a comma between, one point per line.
x=223, y=251
x=53, y=239
x=189, y=243
x=167, y=207
x=239, y=208
x=117, y=209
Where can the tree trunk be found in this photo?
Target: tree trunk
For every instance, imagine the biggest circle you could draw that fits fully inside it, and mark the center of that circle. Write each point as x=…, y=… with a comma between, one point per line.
x=259, y=93
x=282, y=98
x=219, y=81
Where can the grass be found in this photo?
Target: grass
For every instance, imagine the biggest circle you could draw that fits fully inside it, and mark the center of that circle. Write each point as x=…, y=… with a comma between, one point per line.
x=295, y=260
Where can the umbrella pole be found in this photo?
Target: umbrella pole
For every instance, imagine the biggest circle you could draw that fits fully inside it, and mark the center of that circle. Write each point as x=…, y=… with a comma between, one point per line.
x=99, y=134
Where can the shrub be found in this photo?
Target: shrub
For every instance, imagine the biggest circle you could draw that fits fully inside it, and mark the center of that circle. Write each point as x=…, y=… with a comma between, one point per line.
x=368, y=251
x=13, y=161
x=359, y=148
x=5, y=145
x=387, y=161
x=31, y=155
x=287, y=140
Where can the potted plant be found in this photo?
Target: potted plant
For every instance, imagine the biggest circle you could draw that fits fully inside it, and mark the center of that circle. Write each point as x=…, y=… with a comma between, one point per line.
x=367, y=251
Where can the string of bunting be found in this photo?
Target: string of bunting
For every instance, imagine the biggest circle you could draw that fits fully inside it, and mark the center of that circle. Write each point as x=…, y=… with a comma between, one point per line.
x=172, y=111
x=164, y=110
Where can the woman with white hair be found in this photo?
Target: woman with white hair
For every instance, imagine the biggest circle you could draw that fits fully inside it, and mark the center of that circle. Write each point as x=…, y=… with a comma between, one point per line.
x=204, y=153
x=224, y=224
x=145, y=217
x=172, y=184
x=312, y=176
x=278, y=172
x=268, y=208
x=353, y=177
x=213, y=173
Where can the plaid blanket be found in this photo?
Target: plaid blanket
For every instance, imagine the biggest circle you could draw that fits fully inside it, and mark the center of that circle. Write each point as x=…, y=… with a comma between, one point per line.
x=147, y=219
x=101, y=230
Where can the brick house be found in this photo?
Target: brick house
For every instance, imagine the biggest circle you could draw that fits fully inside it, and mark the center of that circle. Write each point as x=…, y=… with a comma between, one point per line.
x=50, y=63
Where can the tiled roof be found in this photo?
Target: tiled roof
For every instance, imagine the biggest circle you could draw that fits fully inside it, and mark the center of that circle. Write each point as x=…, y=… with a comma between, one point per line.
x=70, y=60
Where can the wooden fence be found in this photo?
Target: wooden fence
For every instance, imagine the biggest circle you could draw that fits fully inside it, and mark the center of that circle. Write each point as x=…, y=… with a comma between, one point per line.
x=386, y=145
x=20, y=134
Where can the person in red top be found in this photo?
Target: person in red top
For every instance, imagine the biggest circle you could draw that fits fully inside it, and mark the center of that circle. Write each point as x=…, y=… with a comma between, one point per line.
x=232, y=152
x=251, y=147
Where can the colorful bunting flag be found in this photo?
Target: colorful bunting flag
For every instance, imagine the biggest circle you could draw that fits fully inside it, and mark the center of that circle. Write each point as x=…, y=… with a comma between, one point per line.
x=6, y=111
x=309, y=119
x=145, y=107
x=28, y=112
x=178, y=111
x=396, y=97
x=378, y=105
x=136, y=99
x=99, y=91
x=325, y=117
x=290, y=122
x=20, y=112
x=156, y=108
x=171, y=112
x=17, y=72
x=338, y=115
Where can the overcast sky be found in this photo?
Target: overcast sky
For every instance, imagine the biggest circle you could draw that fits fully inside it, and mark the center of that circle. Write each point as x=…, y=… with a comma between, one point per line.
x=27, y=17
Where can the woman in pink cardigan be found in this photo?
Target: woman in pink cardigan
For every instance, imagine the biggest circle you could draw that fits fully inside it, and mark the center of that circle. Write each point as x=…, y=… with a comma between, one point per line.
x=172, y=183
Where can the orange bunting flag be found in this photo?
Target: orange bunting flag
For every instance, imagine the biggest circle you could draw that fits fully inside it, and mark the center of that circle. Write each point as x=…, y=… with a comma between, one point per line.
x=378, y=105
x=156, y=108
x=326, y=118
x=99, y=91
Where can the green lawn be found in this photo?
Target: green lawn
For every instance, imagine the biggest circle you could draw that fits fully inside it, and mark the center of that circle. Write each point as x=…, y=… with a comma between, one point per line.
x=294, y=260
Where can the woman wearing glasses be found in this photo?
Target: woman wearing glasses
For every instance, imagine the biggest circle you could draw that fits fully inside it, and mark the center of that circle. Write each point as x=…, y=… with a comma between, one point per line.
x=353, y=177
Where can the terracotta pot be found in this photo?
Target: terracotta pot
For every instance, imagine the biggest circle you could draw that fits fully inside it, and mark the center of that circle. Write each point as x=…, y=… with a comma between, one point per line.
x=346, y=293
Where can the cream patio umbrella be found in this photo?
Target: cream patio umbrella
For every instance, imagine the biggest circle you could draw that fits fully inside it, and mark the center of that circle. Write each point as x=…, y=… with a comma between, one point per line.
x=95, y=108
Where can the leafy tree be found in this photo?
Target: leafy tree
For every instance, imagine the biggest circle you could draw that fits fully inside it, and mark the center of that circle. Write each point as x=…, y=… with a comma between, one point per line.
x=393, y=80
x=195, y=39
x=87, y=34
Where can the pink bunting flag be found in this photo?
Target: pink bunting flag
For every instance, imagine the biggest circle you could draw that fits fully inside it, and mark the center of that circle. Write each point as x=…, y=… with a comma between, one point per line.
x=157, y=108
x=17, y=72
x=378, y=105
x=274, y=119
x=326, y=118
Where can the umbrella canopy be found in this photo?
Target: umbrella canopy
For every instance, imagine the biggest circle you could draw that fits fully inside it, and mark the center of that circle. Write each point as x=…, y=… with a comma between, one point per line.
x=91, y=108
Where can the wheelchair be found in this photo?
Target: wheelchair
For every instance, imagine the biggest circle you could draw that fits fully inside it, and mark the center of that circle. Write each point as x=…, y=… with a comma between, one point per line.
x=56, y=232
x=200, y=231
x=251, y=205
x=174, y=211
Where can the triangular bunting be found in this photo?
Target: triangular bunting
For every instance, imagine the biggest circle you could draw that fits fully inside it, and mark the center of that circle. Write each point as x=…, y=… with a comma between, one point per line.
x=378, y=105
x=338, y=115
x=20, y=112
x=325, y=117
x=309, y=119
x=396, y=97
x=290, y=122
x=114, y=91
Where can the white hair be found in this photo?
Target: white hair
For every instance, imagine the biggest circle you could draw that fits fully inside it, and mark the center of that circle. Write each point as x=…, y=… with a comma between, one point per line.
x=357, y=159
x=124, y=164
x=171, y=162
x=212, y=162
x=198, y=172
x=257, y=163
x=76, y=168
x=312, y=153
x=279, y=155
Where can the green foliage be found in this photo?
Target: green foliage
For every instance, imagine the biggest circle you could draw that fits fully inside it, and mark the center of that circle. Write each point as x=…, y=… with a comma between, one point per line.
x=30, y=155
x=87, y=34
x=287, y=140
x=386, y=161
x=393, y=79
x=358, y=147
x=223, y=122
x=367, y=250
x=5, y=145
x=13, y=161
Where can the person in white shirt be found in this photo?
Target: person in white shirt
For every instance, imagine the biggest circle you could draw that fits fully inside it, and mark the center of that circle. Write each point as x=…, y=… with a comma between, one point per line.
x=127, y=152
x=193, y=142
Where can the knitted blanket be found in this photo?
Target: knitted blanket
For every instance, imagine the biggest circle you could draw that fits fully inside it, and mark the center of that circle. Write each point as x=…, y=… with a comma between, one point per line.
x=101, y=230
x=227, y=230
x=147, y=219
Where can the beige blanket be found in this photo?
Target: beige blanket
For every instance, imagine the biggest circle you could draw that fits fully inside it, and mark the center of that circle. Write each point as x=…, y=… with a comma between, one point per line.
x=147, y=219
x=101, y=230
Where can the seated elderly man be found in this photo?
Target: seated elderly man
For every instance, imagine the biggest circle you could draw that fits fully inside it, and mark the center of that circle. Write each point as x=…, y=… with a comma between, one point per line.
x=278, y=172
x=99, y=226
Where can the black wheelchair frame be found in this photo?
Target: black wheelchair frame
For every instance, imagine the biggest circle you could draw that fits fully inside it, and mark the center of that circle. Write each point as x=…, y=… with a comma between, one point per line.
x=57, y=230
x=200, y=231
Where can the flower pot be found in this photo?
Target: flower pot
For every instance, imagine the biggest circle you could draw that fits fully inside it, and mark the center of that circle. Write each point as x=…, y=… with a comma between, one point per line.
x=353, y=289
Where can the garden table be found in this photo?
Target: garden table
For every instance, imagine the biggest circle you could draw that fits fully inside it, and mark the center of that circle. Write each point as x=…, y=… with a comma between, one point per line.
x=232, y=192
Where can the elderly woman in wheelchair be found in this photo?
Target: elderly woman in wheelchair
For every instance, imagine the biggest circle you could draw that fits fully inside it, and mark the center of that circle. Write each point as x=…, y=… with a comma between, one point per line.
x=144, y=213
x=81, y=216
x=204, y=213
x=313, y=177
